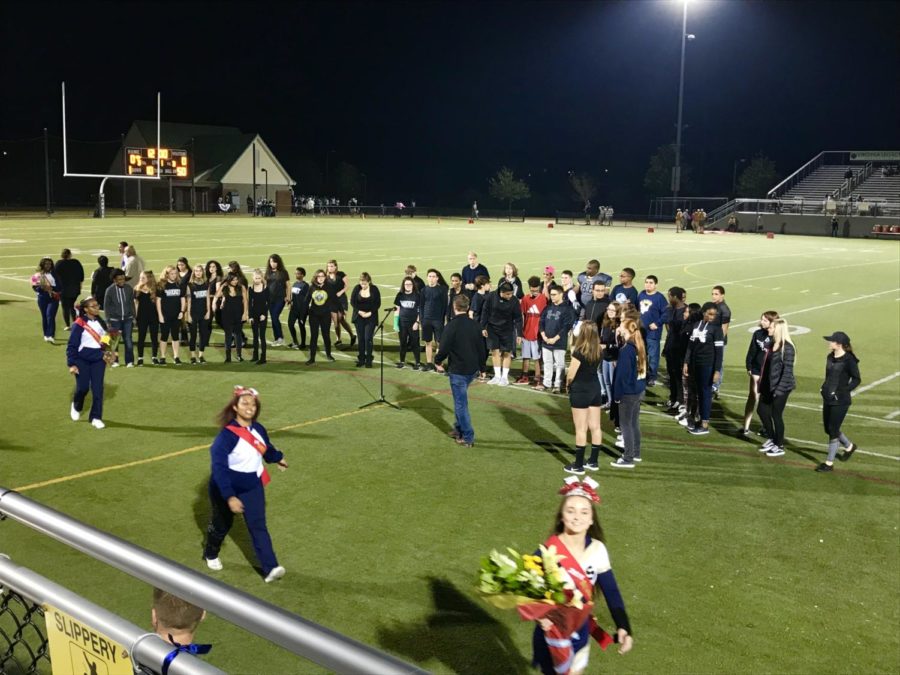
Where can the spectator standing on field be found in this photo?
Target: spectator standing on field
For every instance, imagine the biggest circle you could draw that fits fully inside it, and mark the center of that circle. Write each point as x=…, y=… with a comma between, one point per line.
x=652, y=306
x=501, y=323
x=69, y=274
x=841, y=378
x=365, y=299
x=123, y=248
x=675, y=346
x=625, y=291
x=703, y=361
x=299, y=308
x=463, y=344
x=760, y=343
x=134, y=265
x=556, y=322
x=119, y=308
x=776, y=382
x=101, y=278
x=45, y=284
x=585, y=397
x=532, y=306
x=588, y=279
x=723, y=320
x=628, y=388
x=434, y=312
x=471, y=272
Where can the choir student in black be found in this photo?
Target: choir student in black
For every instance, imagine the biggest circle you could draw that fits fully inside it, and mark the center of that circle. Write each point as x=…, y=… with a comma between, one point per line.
x=434, y=313
x=409, y=313
x=259, y=313
x=321, y=301
x=170, y=305
x=146, y=314
x=235, y=310
x=198, y=314
x=299, y=301
x=184, y=277
x=337, y=282
x=760, y=342
x=366, y=301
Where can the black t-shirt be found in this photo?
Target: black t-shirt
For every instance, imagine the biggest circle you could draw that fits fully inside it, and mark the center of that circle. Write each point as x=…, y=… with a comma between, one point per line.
x=586, y=377
x=275, y=281
x=170, y=299
x=199, y=293
x=146, y=306
x=259, y=303
x=409, y=306
x=320, y=299
x=334, y=286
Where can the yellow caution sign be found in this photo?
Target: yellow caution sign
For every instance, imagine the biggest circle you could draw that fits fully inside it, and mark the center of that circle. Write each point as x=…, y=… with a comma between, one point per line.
x=78, y=649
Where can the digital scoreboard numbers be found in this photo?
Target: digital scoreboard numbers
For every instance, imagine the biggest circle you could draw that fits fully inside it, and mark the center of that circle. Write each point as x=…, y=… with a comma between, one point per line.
x=144, y=162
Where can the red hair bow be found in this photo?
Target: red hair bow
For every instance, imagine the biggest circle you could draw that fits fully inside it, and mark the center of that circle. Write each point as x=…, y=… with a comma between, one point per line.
x=586, y=488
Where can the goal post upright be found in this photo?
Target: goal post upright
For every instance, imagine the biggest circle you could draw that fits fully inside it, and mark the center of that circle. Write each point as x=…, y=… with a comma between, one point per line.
x=106, y=176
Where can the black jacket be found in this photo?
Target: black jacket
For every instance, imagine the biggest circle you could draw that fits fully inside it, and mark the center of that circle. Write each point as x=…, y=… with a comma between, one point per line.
x=463, y=343
x=841, y=377
x=69, y=275
x=777, y=377
x=756, y=352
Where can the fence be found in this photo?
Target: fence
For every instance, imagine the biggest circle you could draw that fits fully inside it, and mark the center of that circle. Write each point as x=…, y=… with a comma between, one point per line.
x=304, y=638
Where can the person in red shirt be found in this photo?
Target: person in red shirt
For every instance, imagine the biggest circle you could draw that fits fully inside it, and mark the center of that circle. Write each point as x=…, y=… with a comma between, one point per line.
x=532, y=306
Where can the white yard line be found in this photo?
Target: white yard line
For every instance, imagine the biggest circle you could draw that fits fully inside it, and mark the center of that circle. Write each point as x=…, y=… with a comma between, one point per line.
x=812, y=309
x=892, y=415
x=16, y=295
x=874, y=384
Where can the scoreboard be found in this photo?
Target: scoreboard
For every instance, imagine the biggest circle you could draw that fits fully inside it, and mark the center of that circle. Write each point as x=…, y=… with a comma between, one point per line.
x=144, y=162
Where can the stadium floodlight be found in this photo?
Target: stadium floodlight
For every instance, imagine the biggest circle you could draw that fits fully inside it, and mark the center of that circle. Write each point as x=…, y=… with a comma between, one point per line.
x=676, y=170
x=106, y=176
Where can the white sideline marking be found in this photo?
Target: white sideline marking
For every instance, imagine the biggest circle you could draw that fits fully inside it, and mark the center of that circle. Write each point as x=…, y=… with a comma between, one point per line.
x=860, y=390
x=892, y=415
x=819, y=409
x=811, y=309
x=16, y=295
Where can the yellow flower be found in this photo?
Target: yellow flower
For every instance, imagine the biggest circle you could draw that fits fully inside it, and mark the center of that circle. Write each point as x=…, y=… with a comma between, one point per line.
x=548, y=595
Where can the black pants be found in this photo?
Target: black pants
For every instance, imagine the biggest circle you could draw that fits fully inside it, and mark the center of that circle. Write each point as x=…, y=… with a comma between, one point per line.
x=833, y=417
x=259, y=336
x=365, y=333
x=409, y=340
x=771, y=412
x=233, y=333
x=317, y=324
x=149, y=322
x=68, y=308
x=300, y=319
x=676, y=386
x=204, y=328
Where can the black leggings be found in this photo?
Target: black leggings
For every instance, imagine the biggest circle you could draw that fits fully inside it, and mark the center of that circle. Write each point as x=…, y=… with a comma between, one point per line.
x=68, y=308
x=365, y=333
x=259, y=337
x=233, y=332
x=146, y=323
x=771, y=412
x=409, y=339
x=300, y=319
x=833, y=417
x=204, y=328
x=676, y=386
x=317, y=324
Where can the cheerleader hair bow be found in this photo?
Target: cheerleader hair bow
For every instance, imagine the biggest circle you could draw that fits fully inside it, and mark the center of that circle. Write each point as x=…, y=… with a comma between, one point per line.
x=585, y=488
x=241, y=390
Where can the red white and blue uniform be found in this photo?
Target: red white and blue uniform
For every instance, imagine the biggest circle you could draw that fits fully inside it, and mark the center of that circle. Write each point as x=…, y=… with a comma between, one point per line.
x=238, y=471
x=86, y=353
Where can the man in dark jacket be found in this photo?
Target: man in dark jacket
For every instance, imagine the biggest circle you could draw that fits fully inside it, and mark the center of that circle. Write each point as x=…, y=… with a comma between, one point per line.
x=69, y=274
x=501, y=324
x=118, y=304
x=463, y=343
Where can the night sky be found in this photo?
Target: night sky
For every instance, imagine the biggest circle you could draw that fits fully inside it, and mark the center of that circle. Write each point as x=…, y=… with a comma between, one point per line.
x=429, y=99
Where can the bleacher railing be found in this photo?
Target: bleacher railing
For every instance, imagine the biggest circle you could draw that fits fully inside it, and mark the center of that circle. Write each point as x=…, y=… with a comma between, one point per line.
x=806, y=207
x=294, y=633
x=824, y=158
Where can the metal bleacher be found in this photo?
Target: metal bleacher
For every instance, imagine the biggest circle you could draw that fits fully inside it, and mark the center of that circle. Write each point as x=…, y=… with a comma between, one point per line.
x=826, y=180
x=880, y=188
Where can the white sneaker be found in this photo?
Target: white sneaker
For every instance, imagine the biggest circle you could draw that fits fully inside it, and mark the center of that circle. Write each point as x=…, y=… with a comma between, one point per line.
x=775, y=451
x=278, y=343
x=620, y=442
x=115, y=364
x=51, y=340
x=684, y=422
x=494, y=380
x=98, y=424
x=67, y=328
x=214, y=564
x=504, y=382
x=276, y=573
x=765, y=447
x=74, y=414
x=130, y=365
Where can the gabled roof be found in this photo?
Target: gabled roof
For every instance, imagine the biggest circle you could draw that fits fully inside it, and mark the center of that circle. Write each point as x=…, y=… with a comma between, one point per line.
x=215, y=155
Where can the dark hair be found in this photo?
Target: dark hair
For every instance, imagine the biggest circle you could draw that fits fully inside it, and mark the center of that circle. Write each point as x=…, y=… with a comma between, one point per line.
x=629, y=271
x=66, y=254
x=481, y=280
x=226, y=284
x=123, y=244
x=456, y=275
x=595, y=531
x=676, y=293
x=598, y=283
x=652, y=276
x=301, y=270
x=593, y=262
x=103, y=261
x=40, y=267
x=226, y=414
x=534, y=282
x=403, y=284
x=365, y=276
x=315, y=276
x=569, y=272
x=505, y=287
x=218, y=267
x=84, y=303
x=116, y=273
x=461, y=303
x=554, y=287
x=695, y=313
x=280, y=271
x=708, y=306
x=184, y=260
x=721, y=289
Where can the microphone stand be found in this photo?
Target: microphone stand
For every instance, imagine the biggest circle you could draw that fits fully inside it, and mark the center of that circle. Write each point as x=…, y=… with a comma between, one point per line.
x=382, y=399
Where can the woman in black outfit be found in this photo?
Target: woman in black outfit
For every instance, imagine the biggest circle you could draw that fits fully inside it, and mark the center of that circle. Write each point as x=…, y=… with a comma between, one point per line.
x=689, y=406
x=198, y=314
x=234, y=312
x=279, y=287
x=756, y=352
x=366, y=301
x=184, y=276
x=408, y=306
x=841, y=377
x=336, y=280
x=170, y=305
x=610, y=344
x=776, y=382
x=259, y=312
x=321, y=302
x=146, y=314
x=214, y=277
x=675, y=347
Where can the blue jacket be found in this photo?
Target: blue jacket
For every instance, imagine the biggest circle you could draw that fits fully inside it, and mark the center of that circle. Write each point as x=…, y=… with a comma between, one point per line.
x=557, y=320
x=229, y=482
x=625, y=378
x=86, y=354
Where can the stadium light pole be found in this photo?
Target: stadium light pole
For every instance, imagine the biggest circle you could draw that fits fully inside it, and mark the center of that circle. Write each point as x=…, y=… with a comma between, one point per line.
x=365, y=187
x=676, y=171
x=266, y=171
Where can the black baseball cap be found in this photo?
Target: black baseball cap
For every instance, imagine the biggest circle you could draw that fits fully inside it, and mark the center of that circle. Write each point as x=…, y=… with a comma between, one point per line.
x=840, y=337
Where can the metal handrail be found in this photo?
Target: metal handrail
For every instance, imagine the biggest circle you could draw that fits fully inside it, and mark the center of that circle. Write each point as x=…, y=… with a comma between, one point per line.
x=815, y=160
x=145, y=649
x=290, y=631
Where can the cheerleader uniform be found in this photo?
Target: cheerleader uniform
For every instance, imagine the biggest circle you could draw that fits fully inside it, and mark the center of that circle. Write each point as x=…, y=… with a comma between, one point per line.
x=85, y=352
x=237, y=471
x=232, y=318
x=259, y=307
x=147, y=319
x=199, y=293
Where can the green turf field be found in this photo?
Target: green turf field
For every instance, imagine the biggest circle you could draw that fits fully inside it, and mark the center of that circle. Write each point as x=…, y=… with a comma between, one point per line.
x=728, y=561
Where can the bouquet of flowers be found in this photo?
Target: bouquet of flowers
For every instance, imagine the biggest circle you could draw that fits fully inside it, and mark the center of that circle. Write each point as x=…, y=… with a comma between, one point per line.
x=109, y=343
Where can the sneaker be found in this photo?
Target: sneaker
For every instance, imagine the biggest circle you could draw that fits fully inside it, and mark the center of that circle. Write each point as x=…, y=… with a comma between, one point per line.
x=98, y=424
x=620, y=441
x=330, y=357
x=824, y=468
x=279, y=342
x=683, y=421
x=177, y=361
x=115, y=364
x=618, y=431
x=539, y=387
x=239, y=358
x=193, y=361
x=848, y=453
x=161, y=362
x=651, y=383
x=293, y=345
x=574, y=468
x=140, y=361
x=417, y=366
x=303, y=346
x=494, y=380
x=129, y=365
x=504, y=382
x=699, y=430
x=74, y=414
x=214, y=564
x=51, y=340
x=275, y=574
x=553, y=390
x=466, y=444
x=591, y=466
x=523, y=379
x=260, y=362
x=352, y=340
x=454, y=434
x=743, y=431
x=765, y=447
x=401, y=364
x=67, y=328
x=201, y=361
x=775, y=451
x=155, y=361
x=637, y=460
x=310, y=362
x=622, y=463
x=338, y=343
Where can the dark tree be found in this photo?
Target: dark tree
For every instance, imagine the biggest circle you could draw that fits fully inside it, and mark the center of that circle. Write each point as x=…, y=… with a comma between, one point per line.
x=658, y=179
x=507, y=188
x=758, y=178
x=584, y=186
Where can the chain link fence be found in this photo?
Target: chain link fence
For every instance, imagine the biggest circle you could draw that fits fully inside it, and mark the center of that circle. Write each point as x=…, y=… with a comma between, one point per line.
x=23, y=640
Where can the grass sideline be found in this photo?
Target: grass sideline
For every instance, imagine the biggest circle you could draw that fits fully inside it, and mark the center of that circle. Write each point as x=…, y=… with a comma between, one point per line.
x=727, y=561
